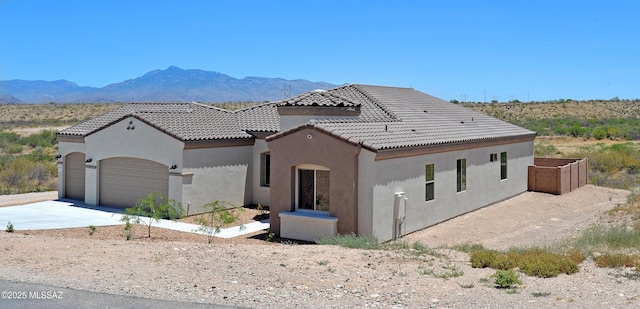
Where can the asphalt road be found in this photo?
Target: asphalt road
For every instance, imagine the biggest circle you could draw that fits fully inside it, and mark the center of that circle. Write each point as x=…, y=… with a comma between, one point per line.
x=29, y=295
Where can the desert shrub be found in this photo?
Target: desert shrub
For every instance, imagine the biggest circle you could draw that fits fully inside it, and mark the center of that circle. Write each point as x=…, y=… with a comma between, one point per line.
x=218, y=214
x=505, y=261
x=599, y=133
x=506, y=278
x=16, y=171
x=10, y=228
x=544, y=150
x=482, y=258
x=469, y=247
x=350, y=241
x=576, y=130
x=13, y=149
x=45, y=138
x=541, y=263
x=156, y=206
x=419, y=248
x=531, y=261
x=614, y=260
x=576, y=255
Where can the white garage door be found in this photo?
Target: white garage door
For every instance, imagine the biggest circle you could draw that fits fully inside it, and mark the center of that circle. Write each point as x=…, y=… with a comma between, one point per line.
x=74, y=176
x=125, y=180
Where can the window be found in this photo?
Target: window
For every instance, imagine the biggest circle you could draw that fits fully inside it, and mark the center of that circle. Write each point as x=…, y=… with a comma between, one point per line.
x=462, y=175
x=493, y=157
x=313, y=189
x=265, y=169
x=429, y=182
x=503, y=165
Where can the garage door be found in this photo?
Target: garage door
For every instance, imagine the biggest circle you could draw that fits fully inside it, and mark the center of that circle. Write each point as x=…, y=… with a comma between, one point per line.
x=74, y=176
x=125, y=180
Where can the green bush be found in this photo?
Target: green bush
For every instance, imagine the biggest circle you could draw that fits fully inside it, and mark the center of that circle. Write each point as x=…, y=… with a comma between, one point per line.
x=506, y=278
x=539, y=263
x=9, y=228
x=599, y=133
x=531, y=261
x=504, y=261
x=482, y=258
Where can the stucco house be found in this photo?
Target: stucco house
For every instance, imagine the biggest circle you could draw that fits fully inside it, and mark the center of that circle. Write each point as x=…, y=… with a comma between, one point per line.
x=369, y=160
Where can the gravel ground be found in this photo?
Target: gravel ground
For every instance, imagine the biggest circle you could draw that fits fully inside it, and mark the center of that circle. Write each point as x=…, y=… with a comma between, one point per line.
x=250, y=272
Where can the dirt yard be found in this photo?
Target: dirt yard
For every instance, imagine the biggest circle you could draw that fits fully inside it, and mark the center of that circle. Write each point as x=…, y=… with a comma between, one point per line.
x=251, y=272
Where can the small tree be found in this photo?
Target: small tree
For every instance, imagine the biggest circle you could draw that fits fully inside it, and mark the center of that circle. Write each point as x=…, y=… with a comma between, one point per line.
x=156, y=206
x=218, y=214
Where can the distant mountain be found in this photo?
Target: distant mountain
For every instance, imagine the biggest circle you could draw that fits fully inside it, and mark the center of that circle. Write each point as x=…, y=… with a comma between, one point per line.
x=9, y=99
x=171, y=85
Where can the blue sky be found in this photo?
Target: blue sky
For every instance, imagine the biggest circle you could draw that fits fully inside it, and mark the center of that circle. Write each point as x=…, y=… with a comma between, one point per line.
x=525, y=50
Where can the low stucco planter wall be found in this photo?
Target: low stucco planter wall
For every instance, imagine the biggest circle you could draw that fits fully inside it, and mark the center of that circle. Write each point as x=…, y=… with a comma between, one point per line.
x=307, y=226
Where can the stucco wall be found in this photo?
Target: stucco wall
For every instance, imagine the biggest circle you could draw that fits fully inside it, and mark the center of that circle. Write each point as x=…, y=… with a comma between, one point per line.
x=321, y=149
x=221, y=173
x=143, y=142
x=260, y=193
x=484, y=186
x=365, y=192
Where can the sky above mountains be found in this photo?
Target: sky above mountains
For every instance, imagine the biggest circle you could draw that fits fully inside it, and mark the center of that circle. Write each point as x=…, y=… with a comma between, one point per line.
x=463, y=50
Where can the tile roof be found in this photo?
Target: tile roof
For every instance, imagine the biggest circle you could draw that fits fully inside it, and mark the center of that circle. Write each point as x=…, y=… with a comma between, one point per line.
x=318, y=98
x=409, y=118
x=390, y=117
x=261, y=118
x=184, y=121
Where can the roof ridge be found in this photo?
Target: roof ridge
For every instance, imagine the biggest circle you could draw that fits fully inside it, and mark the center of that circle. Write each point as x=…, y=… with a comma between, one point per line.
x=212, y=107
x=375, y=101
x=378, y=86
x=237, y=111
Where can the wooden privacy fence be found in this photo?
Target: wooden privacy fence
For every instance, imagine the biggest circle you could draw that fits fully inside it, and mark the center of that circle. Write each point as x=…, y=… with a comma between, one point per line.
x=557, y=176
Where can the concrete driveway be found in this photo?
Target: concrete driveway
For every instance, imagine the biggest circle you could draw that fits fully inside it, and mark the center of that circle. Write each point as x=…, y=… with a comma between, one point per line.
x=55, y=215
x=63, y=214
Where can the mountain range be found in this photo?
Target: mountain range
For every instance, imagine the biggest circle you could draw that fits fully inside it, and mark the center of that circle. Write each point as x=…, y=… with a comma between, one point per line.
x=171, y=85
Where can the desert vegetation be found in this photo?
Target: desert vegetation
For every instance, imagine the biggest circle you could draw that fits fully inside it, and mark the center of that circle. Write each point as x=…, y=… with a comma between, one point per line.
x=49, y=115
x=27, y=163
x=598, y=119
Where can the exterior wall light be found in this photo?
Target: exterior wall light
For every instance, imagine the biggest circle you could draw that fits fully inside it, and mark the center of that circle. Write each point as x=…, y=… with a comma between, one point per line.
x=88, y=160
x=173, y=167
x=309, y=136
x=59, y=156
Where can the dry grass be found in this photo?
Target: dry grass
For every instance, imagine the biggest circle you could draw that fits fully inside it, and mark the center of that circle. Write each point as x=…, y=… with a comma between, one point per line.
x=50, y=115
